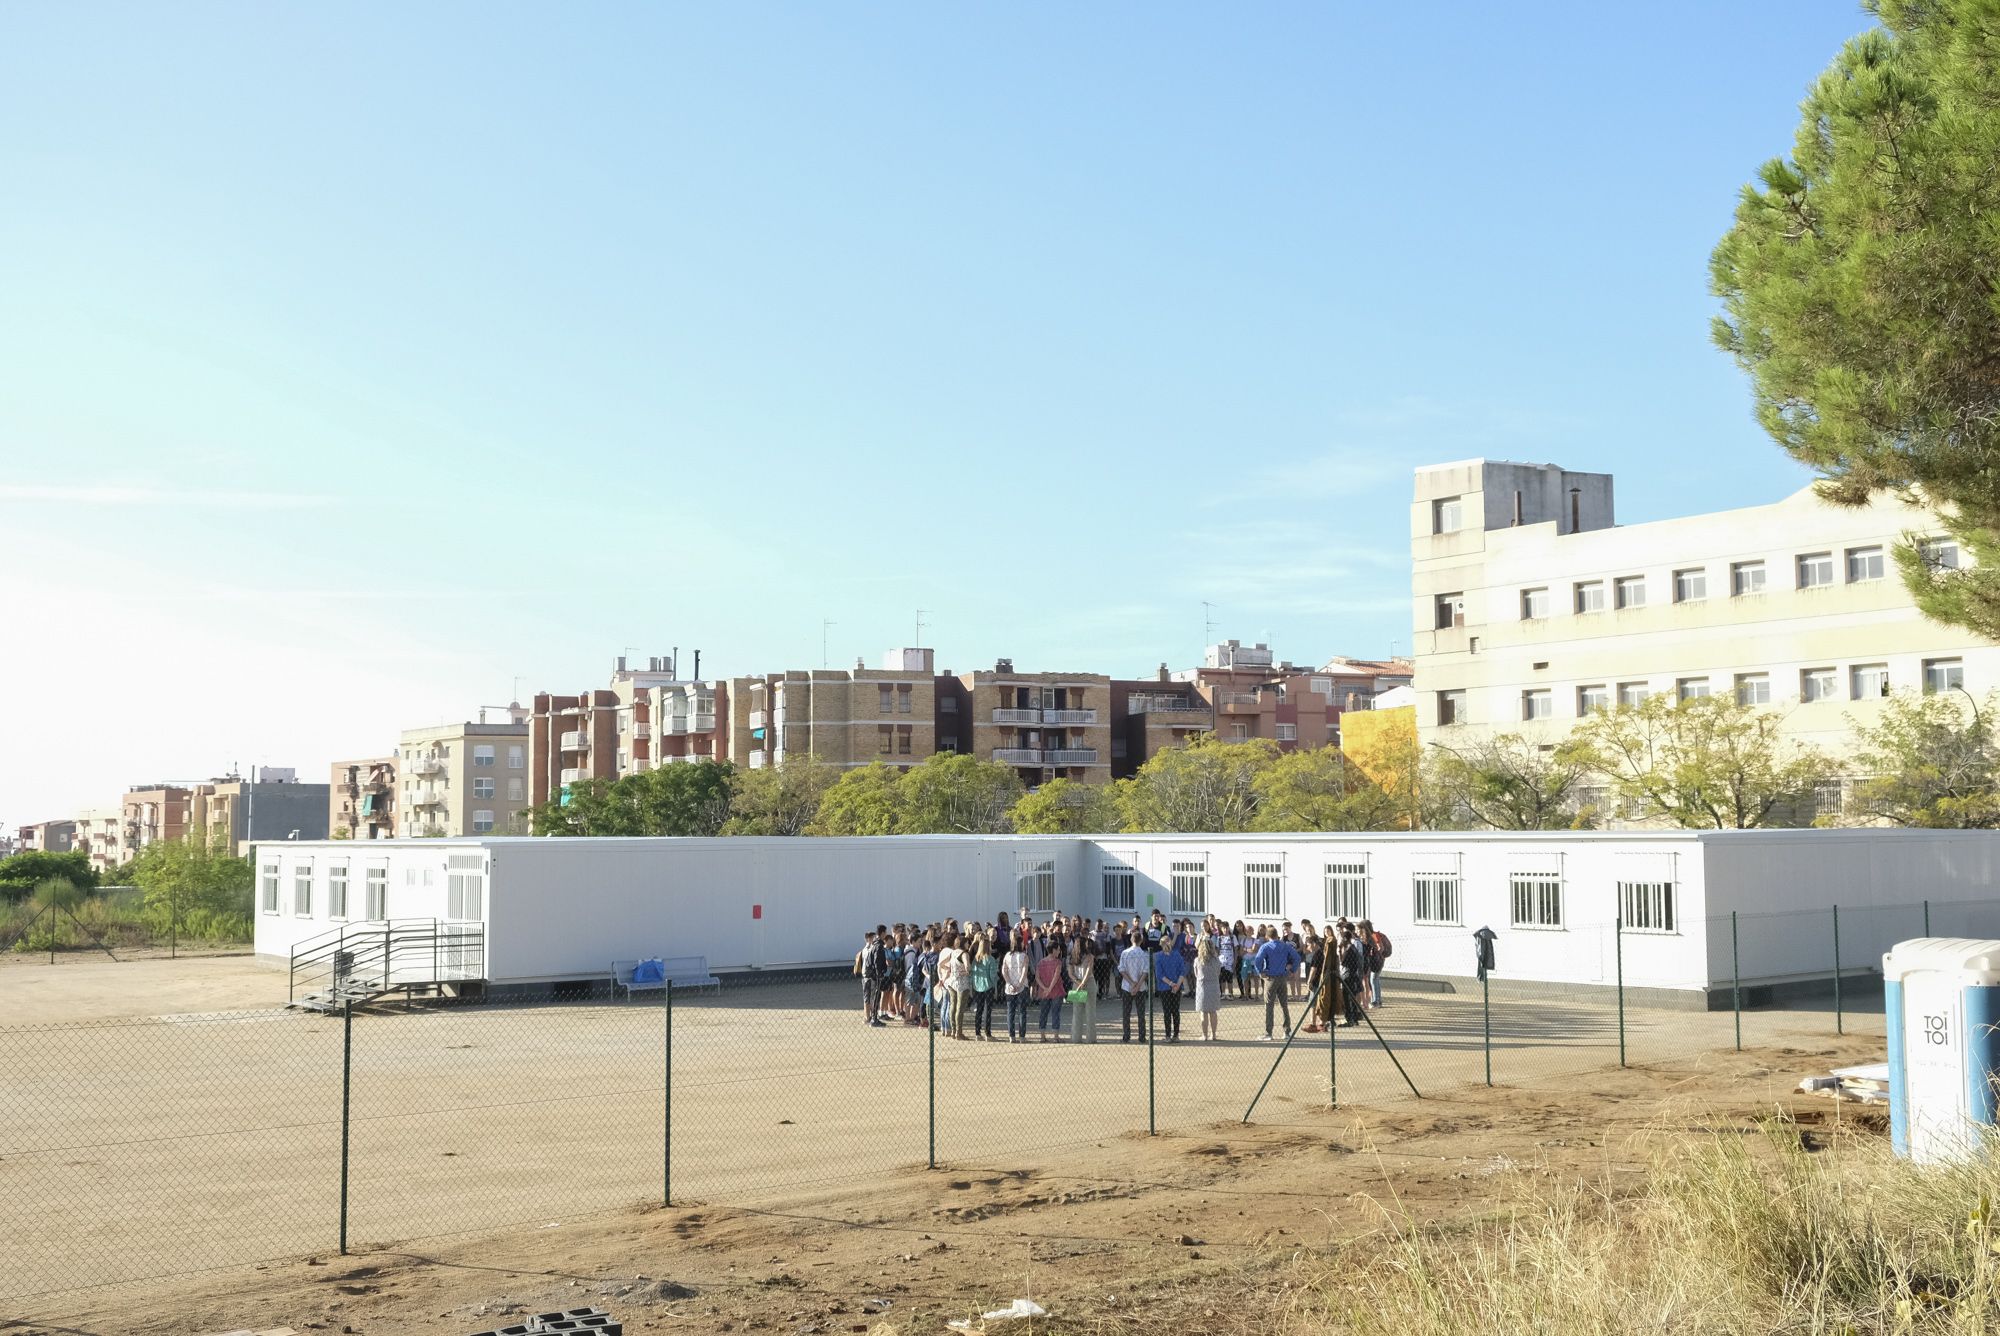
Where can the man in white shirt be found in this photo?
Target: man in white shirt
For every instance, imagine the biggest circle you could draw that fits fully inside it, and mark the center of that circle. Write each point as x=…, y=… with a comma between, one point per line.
x=1135, y=969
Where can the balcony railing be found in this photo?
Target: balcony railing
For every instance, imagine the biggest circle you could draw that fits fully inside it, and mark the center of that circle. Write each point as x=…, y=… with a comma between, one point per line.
x=427, y=765
x=1073, y=756
x=1142, y=704
x=757, y=718
x=428, y=798
x=677, y=724
x=1018, y=755
x=573, y=774
x=642, y=730
x=757, y=761
x=1069, y=716
x=1239, y=700
x=574, y=740
x=704, y=723
x=1017, y=716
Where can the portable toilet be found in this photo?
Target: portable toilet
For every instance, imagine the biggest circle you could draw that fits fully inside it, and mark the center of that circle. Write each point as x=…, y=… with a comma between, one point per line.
x=1943, y=1001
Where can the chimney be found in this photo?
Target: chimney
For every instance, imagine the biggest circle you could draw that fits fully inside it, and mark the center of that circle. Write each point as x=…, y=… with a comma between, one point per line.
x=1575, y=509
x=1164, y=675
x=621, y=663
x=697, y=665
x=1517, y=507
x=1003, y=665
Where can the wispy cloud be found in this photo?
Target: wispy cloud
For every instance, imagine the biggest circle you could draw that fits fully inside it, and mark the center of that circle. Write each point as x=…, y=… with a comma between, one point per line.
x=203, y=498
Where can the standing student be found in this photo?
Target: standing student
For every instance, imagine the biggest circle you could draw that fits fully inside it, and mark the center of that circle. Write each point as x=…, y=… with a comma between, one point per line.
x=1353, y=972
x=1246, y=949
x=1051, y=982
x=1134, y=976
x=985, y=986
x=1169, y=975
x=1016, y=974
x=1378, y=956
x=1208, y=977
x=874, y=974
x=1104, y=958
x=1277, y=960
x=1225, y=955
x=946, y=989
x=1083, y=989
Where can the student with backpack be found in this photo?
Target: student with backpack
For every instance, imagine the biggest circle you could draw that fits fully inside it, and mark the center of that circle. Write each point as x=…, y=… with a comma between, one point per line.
x=985, y=987
x=1379, y=948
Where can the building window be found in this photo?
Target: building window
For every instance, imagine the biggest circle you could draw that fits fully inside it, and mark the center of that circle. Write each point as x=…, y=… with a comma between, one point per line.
x=302, y=890
x=1938, y=554
x=1829, y=798
x=517, y=790
x=1630, y=591
x=1537, y=899
x=1691, y=585
x=1187, y=884
x=1120, y=887
x=1450, y=611
x=1347, y=890
x=482, y=788
x=1646, y=906
x=375, y=893
x=482, y=821
x=903, y=735
x=1323, y=685
x=1592, y=698
x=1864, y=564
x=1815, y=570
x=1818, y=684
x=336, y=891
x=515, y=759
x=885, y=737
x=1035, y=883
x=1537, y=704
x=1590, y=596
x=1746, y=577
x=887, y=702
x=1264, y=889
x=1753, y=688
x=1451, y=707
x=1239, y=732
x=1534, y=604
x=1869, y=680
x=1631, y=695
x=1288, y=732
x=1448, y=514
x=947, y=705
x=1943, y=675
x=1691, y=688
x=465, y=886
x=267, y=889
x=1434, y=897
x=482, y=755
x=903, y=696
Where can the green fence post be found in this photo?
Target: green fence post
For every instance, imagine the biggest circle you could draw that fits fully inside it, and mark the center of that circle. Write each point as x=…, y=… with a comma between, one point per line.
x=1839, y=1027
x=1736, y=980
x=346, y=1109
x=931, y=1015
x=667, y=1113
x=1927, y=918
x=1618, y=945
x=1152, y=1024
x=1332, y=1059
x=1486, y=1021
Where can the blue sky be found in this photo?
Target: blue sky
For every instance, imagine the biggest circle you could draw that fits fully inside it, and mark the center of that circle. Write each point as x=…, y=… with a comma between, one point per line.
x=361, y=360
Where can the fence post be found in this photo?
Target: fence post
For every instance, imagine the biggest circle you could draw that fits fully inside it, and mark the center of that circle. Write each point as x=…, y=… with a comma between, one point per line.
x=1736, y=980
x=1839, y=1026
x=1152, y=1119
x=1927, y=918
x=667, y=1113
x=1486, y=1021
x=1618, y=945
x=930, y=1029
x=346, y=1109
x=1332, y=1054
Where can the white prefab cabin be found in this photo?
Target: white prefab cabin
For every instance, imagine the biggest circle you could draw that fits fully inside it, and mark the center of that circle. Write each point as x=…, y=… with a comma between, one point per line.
x=552, y=910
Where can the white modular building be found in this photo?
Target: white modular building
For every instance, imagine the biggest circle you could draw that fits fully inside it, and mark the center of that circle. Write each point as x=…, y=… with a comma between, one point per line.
x=1569, y=909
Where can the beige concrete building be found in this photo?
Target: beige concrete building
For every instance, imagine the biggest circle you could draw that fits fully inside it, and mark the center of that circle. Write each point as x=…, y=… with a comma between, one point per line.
x=847, y=719
x=361, y=799
x=154, y=813
x=100, y=833
x=1532, y=608
x=463, y=779
x=1046, y=725
x=646, y=718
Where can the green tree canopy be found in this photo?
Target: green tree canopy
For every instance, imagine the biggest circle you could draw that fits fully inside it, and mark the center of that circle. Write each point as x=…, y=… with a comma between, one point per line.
x=779, y=800
x=1703, y=763
x=1861, y=285
x=1068, y=807
x=1206, y=786
x=685, y=798
x=21, y=873
x=1509, y=782
x=195, y=887
x=952, y=793
x=1932, y=763
x=863, y=801
x=1319, y=788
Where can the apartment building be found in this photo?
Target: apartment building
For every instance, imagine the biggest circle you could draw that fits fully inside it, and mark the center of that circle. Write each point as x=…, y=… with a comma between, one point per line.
x=647, y=717
x=845, y=718
x=153, y=813
x=1532, y=607
x=1358, y=683
x=54, y=837
x=1152, y=715
x=100, y=833
x=1256, y=696
x=463, y=779
x=1046, y=725
x=272, y=804
x=361, y=803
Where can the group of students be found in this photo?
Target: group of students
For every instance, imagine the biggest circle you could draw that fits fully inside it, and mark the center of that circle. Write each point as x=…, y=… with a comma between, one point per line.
x=956, y=977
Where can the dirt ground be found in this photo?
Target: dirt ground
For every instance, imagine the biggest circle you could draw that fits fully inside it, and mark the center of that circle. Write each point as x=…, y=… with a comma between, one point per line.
x=89, y=986
x=799, y=1140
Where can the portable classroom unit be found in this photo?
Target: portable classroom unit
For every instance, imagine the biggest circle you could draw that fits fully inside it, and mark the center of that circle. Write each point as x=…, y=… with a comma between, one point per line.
x=556, y=909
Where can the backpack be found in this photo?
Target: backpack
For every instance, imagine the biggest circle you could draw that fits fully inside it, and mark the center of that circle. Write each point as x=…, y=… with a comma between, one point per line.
x=1383, y=949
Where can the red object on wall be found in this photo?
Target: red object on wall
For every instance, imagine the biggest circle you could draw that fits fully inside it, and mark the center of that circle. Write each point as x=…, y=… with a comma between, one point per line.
x=756, y=911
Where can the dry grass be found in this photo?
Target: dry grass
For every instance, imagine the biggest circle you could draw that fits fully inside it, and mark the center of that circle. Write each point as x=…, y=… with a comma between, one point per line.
x=1724, y=1234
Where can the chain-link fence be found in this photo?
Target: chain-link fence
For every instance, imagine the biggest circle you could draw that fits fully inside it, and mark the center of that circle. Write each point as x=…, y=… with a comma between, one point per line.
x=140, y=1148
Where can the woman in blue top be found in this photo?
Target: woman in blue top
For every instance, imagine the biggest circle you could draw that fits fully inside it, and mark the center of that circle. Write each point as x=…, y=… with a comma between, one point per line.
x=1170, y=974
x=913, y=983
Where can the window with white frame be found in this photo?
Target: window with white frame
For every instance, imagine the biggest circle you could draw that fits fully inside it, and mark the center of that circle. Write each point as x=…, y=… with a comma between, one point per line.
x=1590, y=699
x=1864, y=564
x=1447, y=514
x=1536, y=899
x=267, y=889
x=1691, y=585
x=1187, y=884
x=1869, y=680
x=1264, y=888
x=1938, y=554
x=465, y=886
x=1691, y=688
x=1629, y=591
x=1538, y=704
x=302, y=889
x=336, y=890
x=482, y=754
x=517, y=790
x=1815, y=570
x=1288, y=732
x=1347, y=890
x=1746, y=577
x=1120, y=887
x=516, y=759
x=1816, y=684
x=482, y=820
x=1829, y=798
x=482, y=788
x=1534, y=604
x=1434, y=897
x=1753, y=688
x=1647, y=906
x=1943, y=675
x=375, y=893
x=1631, y=695
x=1590, y=596
x=1035, y=883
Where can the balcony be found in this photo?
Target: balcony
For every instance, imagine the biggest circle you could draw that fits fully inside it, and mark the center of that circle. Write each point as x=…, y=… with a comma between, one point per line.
x=427, y=765
x=705, y=723
x=1017, y=716
x=1169, y=705
x=1018, y=755
x=1073, y=756
x=642, y=730
x=428, y=798
x=574, y=775
x=1071, y=717
x=757, y=719
x=574, y=740
x=757, y=761
x=1240, y=702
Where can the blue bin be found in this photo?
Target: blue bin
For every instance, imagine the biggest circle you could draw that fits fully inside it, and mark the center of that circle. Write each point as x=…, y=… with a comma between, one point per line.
x=1943, y=1001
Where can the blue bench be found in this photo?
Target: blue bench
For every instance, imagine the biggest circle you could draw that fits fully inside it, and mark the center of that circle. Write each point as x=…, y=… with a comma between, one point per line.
x=681, y=971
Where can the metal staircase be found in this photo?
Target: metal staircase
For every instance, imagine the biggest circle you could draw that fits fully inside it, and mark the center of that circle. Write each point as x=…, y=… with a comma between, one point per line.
x=359, y=962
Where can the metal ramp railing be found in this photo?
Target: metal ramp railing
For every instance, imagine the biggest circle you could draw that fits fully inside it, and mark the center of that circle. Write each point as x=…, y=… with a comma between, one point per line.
x=358, y=962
